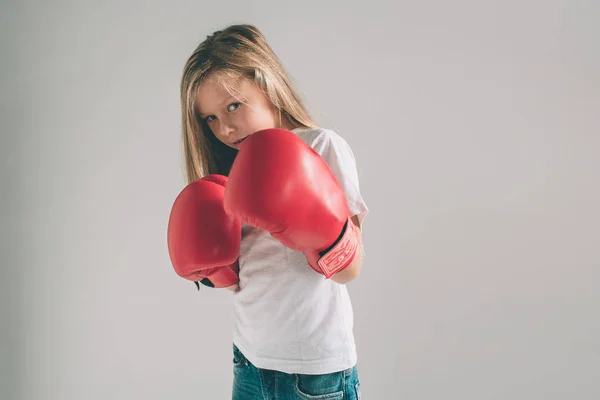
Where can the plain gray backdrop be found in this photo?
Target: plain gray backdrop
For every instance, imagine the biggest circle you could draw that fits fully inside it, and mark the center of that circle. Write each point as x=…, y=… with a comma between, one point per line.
x=476, y=129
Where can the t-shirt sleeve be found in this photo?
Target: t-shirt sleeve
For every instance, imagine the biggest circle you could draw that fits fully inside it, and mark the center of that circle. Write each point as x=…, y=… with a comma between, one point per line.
x=339, y=156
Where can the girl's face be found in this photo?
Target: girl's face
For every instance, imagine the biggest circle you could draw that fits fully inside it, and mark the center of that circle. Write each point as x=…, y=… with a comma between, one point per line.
x=232, y=119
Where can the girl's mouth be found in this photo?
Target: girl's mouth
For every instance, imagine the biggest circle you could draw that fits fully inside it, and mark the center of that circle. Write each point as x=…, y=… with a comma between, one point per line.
x=239, y=141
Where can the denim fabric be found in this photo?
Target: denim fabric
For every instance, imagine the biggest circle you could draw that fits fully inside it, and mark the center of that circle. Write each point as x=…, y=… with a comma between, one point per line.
x=252, y=383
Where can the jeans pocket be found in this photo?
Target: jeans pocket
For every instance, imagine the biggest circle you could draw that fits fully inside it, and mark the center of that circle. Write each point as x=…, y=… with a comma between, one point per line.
x=320, y=387
x=239, y=360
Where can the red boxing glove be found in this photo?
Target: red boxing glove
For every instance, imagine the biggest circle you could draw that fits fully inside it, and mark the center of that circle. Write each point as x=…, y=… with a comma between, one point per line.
x=280, y=184
x=203, y=241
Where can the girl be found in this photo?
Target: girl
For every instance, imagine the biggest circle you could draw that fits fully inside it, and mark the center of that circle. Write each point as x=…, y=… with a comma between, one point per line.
x=293, y=336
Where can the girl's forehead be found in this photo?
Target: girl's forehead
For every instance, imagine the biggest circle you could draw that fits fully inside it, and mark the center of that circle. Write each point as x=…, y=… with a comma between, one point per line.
x=213, y=91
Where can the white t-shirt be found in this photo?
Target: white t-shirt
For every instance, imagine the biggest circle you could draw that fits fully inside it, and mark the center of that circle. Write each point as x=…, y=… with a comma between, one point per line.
x=288, y=317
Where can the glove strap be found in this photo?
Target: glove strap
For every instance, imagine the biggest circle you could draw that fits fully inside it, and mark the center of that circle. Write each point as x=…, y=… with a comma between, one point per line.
x=342, y=253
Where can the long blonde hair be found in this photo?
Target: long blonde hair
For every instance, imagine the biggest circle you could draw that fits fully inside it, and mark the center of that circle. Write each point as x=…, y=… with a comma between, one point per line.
x=236, y=51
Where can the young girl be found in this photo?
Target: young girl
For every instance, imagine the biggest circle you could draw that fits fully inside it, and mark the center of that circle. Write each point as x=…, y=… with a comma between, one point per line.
x=293, y=336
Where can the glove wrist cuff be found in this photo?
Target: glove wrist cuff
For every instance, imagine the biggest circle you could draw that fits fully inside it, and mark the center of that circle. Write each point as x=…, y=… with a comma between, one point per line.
x=224, y=276
x=342, y=253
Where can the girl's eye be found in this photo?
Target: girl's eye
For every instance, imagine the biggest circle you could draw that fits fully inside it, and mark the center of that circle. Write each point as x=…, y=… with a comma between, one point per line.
x=230, y=108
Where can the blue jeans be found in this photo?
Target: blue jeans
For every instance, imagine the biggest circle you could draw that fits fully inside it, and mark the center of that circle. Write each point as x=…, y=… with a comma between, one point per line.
x=252, y=383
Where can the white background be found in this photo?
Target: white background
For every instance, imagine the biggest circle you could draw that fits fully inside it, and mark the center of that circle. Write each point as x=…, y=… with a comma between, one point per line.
x=475, y=125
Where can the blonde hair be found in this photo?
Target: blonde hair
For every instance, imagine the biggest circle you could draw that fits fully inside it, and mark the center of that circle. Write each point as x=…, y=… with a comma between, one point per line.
x=239, y=51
